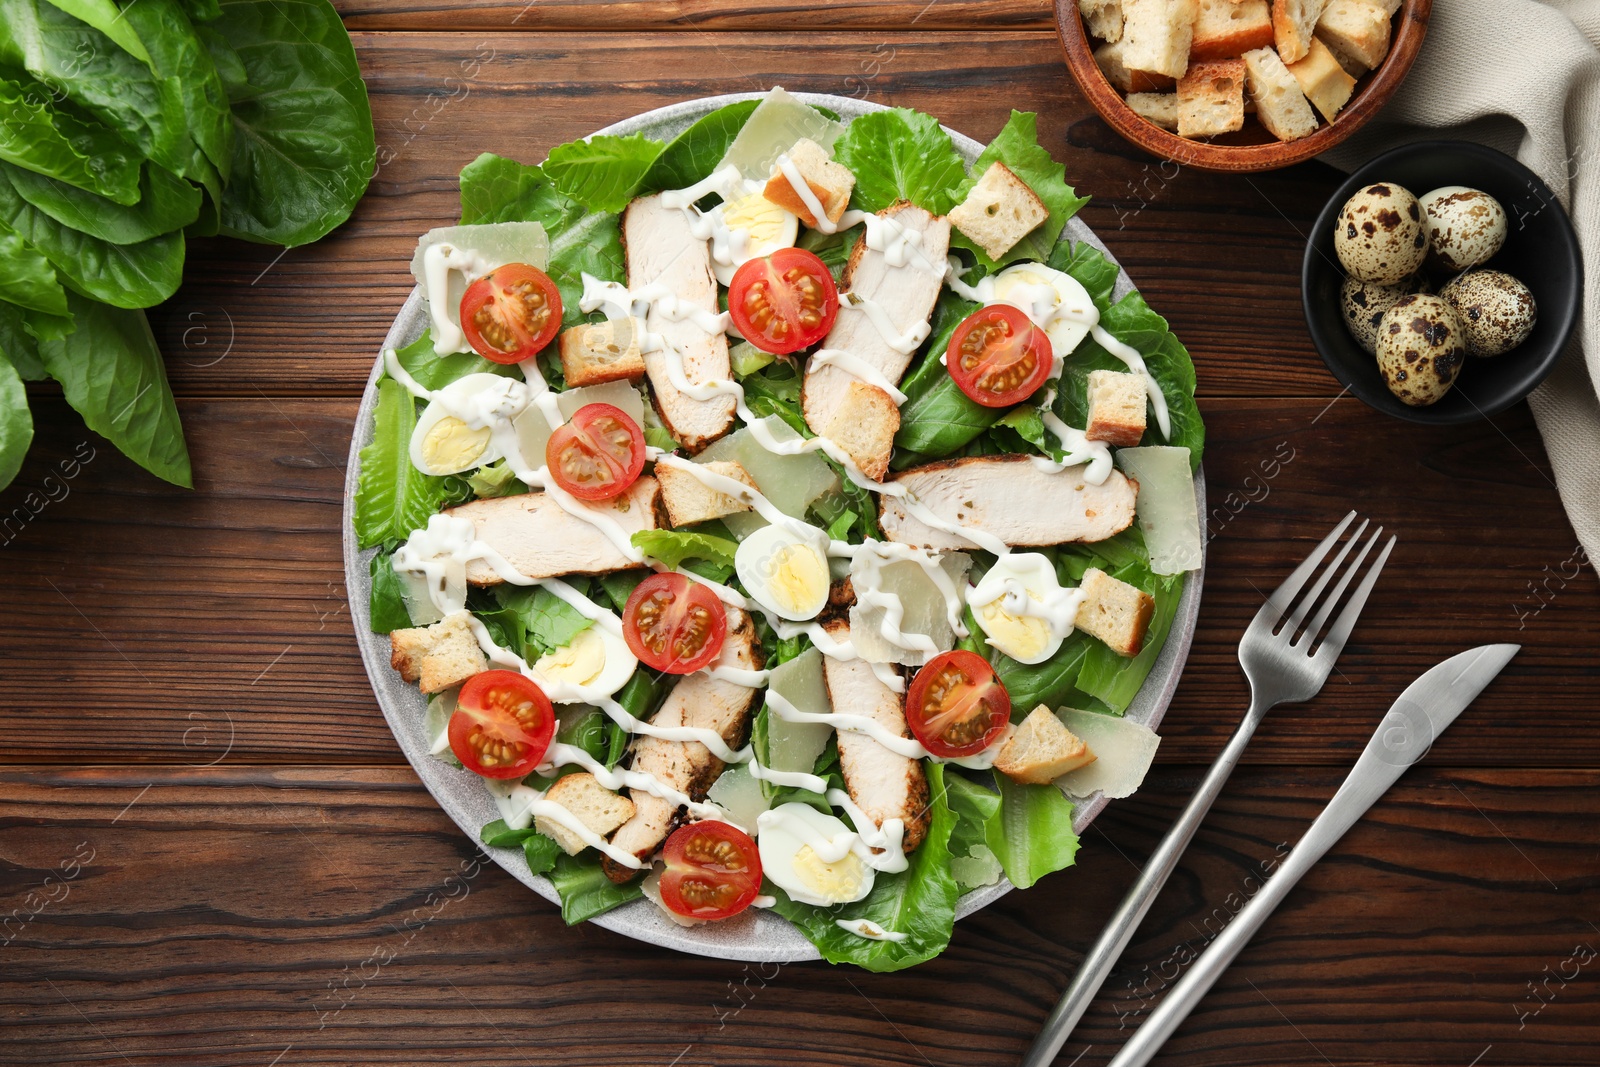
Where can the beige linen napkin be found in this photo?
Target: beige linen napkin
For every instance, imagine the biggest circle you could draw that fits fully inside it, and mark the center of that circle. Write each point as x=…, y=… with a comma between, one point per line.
x=1524, y=77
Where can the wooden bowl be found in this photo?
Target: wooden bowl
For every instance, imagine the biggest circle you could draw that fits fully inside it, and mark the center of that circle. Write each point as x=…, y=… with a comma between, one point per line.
x=1252, y=148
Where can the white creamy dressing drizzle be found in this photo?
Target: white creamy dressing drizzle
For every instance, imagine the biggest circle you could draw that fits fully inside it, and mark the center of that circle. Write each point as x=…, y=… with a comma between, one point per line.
x=856, y=367
x=1058, y=609
x=438, y=260
x=868, y=929
x=520, y=804
x=879, y=848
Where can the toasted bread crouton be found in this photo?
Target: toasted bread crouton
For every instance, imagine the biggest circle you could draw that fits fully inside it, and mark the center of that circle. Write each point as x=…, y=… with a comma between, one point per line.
x=1116, y=408
x=1211, y=98
x=1358, y=29
x=1227, y=29
x=438, y=656
x=1041, y=749
x=1114, y=65
x=1114, y=611
x=1323, y=80
x=1157, y=34
x=999, y=211
x=1293, y=22
x=830, y=183
x=1104, y=19
x=864, y=426
x=1159, y=108
x=1280, y=105
x=596, y=807
x=593, y=353
x=688, y=500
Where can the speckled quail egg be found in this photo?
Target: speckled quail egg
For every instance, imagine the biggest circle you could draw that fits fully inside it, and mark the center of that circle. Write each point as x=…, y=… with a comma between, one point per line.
x=1363, y=304
x=1421, y=347
x=1379, y=235
x=1465, y=227
x=1497, y=312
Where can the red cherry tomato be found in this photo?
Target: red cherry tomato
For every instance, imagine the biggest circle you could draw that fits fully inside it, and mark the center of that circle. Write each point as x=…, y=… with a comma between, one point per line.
x=674, y=624
x=502, y=725
x=956, y=706
x=783, y=302
x=597, y=454
x=998, y=356
x=509, y=315
x=713, y=871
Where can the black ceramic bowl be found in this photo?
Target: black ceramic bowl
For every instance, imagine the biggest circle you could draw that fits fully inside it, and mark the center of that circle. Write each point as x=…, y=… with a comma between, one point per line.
x=1541, y=249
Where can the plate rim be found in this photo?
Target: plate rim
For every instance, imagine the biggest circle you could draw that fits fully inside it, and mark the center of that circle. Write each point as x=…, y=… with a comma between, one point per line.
x=765, y=937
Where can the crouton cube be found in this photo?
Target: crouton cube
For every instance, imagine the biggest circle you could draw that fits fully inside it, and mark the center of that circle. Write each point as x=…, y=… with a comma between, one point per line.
x=830, y=183
x=599, y=352
x=1280, y=105
x=1104, y=18
x=1358, y=29
x=1211, y=98
x=1293, y=22
x=864, y=426
x=437, y=656
x=1227, y=29
x=1114, y=611
x=1157, y=35
x=688, y=500
x=596, y=807
x=1116, y=408
x=1114, y=65
x=1041, y=749
x=999, y=211
x=1159, y=108
x=1323, y=80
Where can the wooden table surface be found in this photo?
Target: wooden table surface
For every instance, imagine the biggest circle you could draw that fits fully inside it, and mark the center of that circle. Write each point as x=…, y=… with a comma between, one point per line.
x=217, y=855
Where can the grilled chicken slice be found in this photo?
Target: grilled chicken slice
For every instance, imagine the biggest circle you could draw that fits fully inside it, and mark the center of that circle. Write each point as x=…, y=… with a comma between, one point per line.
x=907, y=294
x=1009, y=497
x=661, y=249
x=688, y=766
x=541, y=540
x=883, y=784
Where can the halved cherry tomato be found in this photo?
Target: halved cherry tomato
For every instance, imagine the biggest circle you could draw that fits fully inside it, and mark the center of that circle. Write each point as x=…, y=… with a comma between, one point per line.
x=509, y=315
x=673, y=624
x=998, y=356
x=596, y=454
x=783, y=302
x=502, y=725
x=956, y=706
x=713, y=871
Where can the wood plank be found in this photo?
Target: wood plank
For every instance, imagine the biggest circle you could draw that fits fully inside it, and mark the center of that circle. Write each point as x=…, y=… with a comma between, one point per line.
x=141, y=613
x=1218, y=255
x=333, y=915
x=612, y=16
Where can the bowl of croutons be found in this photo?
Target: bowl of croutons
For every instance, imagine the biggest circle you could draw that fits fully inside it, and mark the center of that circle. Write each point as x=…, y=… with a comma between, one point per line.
x=1239, y=85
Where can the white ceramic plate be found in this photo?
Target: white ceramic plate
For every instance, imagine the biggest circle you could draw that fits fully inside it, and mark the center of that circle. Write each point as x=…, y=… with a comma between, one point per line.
x=756, y=935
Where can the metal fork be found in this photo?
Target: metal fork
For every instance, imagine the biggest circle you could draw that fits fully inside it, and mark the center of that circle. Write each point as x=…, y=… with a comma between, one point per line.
x=1277, y=655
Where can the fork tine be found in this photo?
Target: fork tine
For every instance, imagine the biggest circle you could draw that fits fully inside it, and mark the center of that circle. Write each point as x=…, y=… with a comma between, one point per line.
x=1284, y=595
x=1345, y=579
x=1333, y=644
x=1311, y=599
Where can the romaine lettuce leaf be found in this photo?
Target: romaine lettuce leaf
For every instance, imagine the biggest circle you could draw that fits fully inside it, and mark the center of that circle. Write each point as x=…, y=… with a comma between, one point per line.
x=937, y=418
x=706, y=554
x=18, y=343
x=548, y=621
x=1031, y=833
x=972, y=861
x=393, y=498
x=433, y=371
x=694, y=153
x=26, y=277
x=55, y=139
x=386, y=604
x=16, y=421
x=585, y=890
x=603, y=172
x=496, y=189
x=901, y=155
x=919, y=901
x=111, y=372
x=190, y=85
x=1017, y=146
x=166, y=203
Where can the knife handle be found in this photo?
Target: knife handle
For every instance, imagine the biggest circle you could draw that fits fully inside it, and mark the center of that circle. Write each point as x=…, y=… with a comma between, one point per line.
x=1379, y=767
x=1100, y=960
